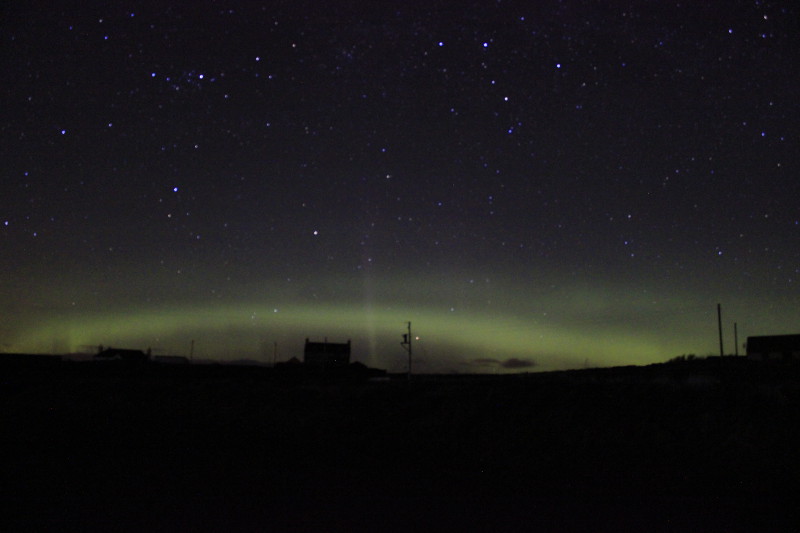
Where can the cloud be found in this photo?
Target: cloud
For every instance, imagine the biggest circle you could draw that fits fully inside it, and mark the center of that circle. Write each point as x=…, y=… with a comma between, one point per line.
x=514, y=362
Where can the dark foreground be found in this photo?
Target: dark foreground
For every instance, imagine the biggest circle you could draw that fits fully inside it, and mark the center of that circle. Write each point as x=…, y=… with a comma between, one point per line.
x=701, y=446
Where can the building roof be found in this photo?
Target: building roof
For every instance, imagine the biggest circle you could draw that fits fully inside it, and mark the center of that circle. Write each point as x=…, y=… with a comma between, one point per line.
x=773, y=343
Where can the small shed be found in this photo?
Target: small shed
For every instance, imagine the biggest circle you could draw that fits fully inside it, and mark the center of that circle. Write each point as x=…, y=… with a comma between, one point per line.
x=326, y=355
x=774, y=347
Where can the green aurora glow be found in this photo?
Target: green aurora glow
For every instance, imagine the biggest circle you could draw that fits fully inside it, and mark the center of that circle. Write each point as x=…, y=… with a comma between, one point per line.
x=562, y=327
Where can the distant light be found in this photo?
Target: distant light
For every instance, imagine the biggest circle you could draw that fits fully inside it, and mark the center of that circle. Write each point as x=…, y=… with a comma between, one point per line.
x=316, y=232
x=441, y=43
x=486, y=45
x=174, y=189
x=63, y=132
x=558, y=65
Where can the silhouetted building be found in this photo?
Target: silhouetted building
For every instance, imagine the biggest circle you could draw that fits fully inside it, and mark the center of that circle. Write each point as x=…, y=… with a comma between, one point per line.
x=118, y=354
x=326, y=355
x=774, y=347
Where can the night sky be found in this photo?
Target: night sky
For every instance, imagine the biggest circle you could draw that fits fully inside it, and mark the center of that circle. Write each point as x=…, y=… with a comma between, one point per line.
x=534, y=185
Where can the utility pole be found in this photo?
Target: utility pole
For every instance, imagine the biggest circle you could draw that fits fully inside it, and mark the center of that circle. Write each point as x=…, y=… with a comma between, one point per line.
x=719, y=325
x=736, y=338
x=407, y=345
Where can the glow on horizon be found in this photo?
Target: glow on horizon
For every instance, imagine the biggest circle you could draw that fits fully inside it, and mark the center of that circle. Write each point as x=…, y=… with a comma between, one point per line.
x=448, y=341
x=466, y=322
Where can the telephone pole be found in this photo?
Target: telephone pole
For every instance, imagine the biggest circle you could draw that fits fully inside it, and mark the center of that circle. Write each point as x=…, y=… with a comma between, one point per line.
x=719, y=324
x=407, y=345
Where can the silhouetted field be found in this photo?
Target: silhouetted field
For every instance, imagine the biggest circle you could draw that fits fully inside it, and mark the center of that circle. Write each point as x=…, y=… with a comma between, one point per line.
x=695, y=446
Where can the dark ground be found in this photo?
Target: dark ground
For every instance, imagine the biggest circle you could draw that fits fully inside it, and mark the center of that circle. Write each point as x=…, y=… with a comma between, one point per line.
x=693, y=446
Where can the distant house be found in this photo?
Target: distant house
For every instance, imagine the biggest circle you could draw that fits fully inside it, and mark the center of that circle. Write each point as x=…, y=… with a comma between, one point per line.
x=119, y=354
x=326, y=355
x=774, y=347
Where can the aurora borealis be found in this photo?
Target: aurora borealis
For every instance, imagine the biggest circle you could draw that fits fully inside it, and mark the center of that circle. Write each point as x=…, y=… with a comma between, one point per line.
x=534, y=187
